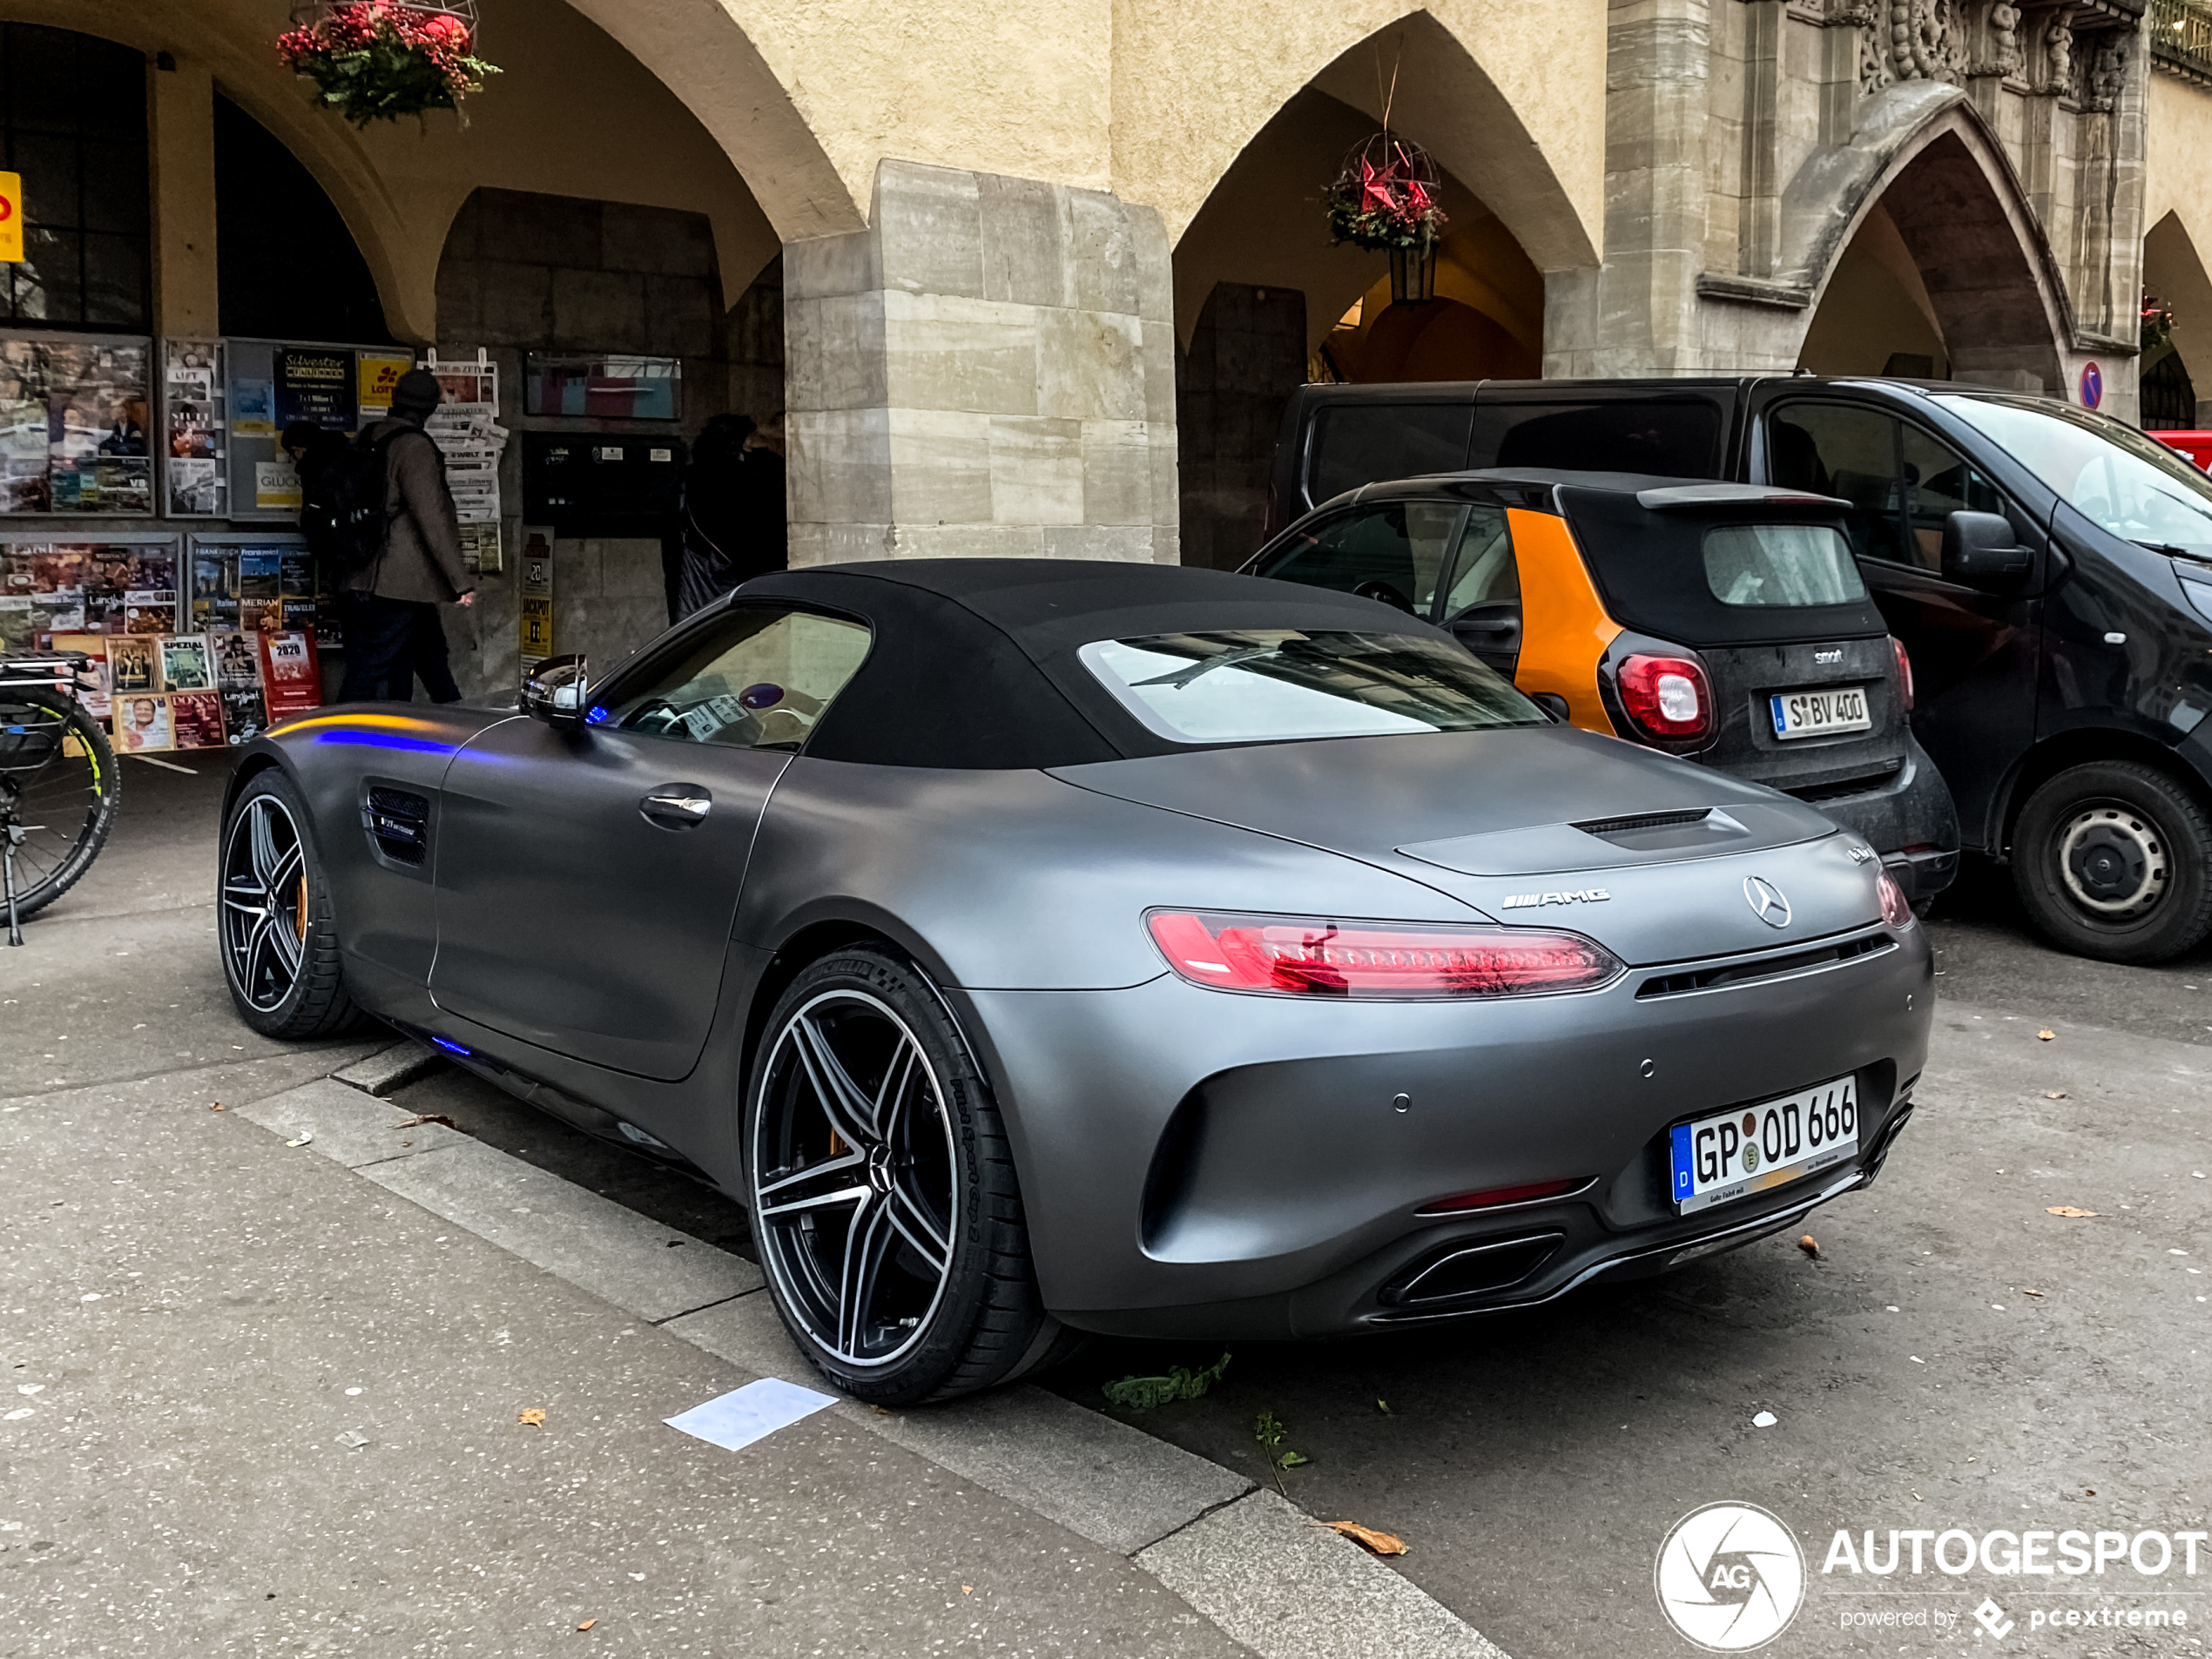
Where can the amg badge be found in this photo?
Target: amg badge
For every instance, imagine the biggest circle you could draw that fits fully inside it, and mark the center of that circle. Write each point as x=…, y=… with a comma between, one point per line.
x=1531, y=901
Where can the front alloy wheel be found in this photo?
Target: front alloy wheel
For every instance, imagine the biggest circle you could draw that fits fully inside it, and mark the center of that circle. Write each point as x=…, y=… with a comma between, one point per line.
x=2113, y=860
x=279, y=941
x=883, y=1196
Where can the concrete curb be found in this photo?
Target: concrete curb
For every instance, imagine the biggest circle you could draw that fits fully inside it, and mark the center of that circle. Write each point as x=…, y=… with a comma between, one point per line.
x=1266, y=1574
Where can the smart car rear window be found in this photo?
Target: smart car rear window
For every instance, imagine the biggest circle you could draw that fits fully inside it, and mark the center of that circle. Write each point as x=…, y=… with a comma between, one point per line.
x=1780, y=564
x=1271, y=685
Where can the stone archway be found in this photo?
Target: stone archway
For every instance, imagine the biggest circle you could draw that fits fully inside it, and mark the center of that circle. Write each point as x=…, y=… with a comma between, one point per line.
x=1916, y=241
x=2175, y=273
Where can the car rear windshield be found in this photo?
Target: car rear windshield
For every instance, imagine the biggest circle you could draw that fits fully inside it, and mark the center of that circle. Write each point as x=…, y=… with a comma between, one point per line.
x=1780, y=564
x=1274, y=685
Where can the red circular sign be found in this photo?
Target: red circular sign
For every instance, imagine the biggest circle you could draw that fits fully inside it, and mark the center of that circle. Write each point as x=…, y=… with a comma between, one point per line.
x=7, y=210
x=2093, y=385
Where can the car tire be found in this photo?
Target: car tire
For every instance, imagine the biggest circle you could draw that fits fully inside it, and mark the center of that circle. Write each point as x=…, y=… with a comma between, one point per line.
x=2114, y=860
x=885, y=1204
x=274, y=926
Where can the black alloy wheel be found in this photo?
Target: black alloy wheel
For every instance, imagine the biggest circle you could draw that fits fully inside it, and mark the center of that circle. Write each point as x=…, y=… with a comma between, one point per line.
x=58, y=781
x=2114, y=860
x=278, y=940
x=882, y=1189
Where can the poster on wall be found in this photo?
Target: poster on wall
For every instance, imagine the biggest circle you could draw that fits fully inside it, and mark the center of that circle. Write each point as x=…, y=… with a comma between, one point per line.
x=291, y=674
x=99, y=456
x=377, y=373
x=194, y=427
x=253, y=409
x=535, y=620
x=315, y=386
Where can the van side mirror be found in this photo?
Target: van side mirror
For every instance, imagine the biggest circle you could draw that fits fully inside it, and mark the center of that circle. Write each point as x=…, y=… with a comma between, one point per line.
x=554, y=691
x=1980, y=549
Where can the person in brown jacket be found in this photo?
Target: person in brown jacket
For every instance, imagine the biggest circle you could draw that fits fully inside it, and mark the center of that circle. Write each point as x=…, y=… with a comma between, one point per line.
x=391, y=604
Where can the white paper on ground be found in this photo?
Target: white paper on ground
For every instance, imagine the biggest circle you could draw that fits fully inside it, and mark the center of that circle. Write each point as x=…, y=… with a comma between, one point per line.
x=743, y=1416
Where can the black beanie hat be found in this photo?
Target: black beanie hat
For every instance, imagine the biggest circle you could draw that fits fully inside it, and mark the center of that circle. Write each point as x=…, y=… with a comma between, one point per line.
x=416, y=394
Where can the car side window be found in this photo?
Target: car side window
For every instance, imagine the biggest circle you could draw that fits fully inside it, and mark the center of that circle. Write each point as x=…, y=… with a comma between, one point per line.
x=1483, y=572
x=759, y=677
x=1939, y=481
x=1393, y=552
x=1852, y=452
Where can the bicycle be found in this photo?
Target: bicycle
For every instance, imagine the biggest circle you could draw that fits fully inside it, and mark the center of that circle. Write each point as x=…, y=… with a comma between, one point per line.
x=56, y=768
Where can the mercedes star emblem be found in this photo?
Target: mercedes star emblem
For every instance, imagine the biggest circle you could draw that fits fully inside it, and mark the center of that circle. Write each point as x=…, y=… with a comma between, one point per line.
x=1766, y=901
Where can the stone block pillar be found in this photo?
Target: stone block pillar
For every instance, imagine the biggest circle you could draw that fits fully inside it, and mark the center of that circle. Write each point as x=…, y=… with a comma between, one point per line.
x=989, y=370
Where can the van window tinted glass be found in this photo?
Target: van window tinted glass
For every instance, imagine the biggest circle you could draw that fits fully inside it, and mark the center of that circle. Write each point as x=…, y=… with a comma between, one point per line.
x=1837, y=449
x=1674, y=437
x=1780, y=564
x=2131, y=485
x=1255, y=686
x=1939, y=482
x=1394, y=553
x=758, y=678
x=1368, y=443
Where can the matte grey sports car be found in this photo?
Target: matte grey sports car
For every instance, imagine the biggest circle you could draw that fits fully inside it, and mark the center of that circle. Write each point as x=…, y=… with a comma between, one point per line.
x=1038, y=947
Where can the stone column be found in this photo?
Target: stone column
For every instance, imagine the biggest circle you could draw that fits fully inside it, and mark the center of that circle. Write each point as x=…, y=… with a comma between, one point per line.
x=989, y=370
x=182, y=108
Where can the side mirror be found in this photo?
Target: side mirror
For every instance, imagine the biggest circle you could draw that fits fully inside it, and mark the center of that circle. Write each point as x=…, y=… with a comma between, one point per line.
x=554, y=691
x=1980, y=550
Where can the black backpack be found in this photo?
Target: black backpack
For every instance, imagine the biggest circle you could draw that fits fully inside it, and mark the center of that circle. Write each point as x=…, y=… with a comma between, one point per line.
x=341, y=512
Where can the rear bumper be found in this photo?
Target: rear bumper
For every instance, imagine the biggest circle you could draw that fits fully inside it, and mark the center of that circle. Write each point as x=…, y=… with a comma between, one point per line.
x=1197, y=1164
x=1910, y=821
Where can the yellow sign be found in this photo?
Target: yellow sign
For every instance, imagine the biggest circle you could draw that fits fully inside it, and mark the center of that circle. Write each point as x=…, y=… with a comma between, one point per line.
x=537, y=639
x=380, y=373
x=11, y=216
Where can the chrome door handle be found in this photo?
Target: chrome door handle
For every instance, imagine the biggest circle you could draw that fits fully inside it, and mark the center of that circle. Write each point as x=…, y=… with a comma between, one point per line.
x=678, y=805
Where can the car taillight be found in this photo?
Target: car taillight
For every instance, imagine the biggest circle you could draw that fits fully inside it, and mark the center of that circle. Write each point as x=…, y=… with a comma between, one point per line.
x=1896, y=909
x=1495, y=1198
x=1904, y=673
x=1293, y=957
x=1667, y=696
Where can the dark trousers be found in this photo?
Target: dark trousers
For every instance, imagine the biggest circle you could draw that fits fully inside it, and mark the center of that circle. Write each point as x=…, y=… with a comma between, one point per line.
x=387, y=644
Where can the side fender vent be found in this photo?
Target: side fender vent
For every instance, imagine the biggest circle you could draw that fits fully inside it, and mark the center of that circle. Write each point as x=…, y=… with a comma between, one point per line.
x=398, y=823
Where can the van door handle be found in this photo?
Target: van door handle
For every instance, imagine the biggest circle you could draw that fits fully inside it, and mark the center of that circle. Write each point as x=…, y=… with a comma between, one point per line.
x=677, y=805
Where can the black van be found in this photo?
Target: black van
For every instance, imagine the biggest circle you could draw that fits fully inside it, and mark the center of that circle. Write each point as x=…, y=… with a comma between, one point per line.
x=2049, y=570
x=1725, y=622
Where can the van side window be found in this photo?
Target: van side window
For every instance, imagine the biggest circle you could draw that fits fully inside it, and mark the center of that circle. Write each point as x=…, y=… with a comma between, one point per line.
x=1673, y=437
x=1836, y=449
x=1370, y=443
x=1939, y=481
x=1393, y=552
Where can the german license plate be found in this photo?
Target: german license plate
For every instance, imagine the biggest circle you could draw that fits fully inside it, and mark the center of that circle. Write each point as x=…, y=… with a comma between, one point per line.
x=1732, y=1155
x=1806, y=714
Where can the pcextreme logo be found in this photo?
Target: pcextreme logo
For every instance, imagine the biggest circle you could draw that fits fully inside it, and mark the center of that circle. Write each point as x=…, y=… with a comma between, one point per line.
x=1730, y=1577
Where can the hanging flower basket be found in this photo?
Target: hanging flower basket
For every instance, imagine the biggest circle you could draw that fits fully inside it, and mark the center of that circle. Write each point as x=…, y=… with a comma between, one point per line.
x=1385, y=196
x=377, y=60
x=2158, y=323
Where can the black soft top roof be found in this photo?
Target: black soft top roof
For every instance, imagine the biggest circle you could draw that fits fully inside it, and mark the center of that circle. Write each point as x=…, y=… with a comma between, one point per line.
x=973, y=664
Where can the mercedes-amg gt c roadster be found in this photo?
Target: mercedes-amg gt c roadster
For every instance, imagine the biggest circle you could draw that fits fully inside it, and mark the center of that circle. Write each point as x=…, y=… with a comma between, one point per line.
x=1038, y=947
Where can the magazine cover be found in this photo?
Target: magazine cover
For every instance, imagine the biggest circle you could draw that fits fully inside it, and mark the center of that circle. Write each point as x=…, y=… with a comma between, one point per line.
x=15, y=622
x=243, y=716
x=238, y=662
x=185, y=664
x=92, y=685
x=99, y=452
x=291, y=674
x=142, y=723
x=296, y=575
x=57, y=613
x=134, y=665
x=260, y=575
x=260, y=615
x=23, y=427
x=53, y=570
x=195, y=486
x=147, y=612
x=196, y=718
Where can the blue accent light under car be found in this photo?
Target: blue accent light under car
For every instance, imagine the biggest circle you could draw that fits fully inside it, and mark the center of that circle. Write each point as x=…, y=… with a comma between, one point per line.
x=451, y=1047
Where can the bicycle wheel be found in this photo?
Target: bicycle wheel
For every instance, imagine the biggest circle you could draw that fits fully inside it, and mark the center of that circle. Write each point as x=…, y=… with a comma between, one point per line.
x=58, y=780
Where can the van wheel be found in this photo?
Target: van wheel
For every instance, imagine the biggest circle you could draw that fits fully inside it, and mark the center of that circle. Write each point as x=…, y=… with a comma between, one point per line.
x=2114, y=860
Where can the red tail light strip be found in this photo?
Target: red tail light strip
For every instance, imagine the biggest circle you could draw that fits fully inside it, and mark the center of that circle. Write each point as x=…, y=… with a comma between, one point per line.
x=1297, y=956
x=1504, y=1197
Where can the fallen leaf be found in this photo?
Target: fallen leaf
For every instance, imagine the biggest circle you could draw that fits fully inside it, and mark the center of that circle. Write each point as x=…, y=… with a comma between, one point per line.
x=1809, y=1245
x=2045, y=1036
x=2054, y=1093
x=531, y=1416
x=586, y=1624
x=967, y=1590
x=1382, y=1544
x=428, y=1118
x=2031, y=1293
x=215, y=1106
x=1383, y=1406
x=2068, y=1209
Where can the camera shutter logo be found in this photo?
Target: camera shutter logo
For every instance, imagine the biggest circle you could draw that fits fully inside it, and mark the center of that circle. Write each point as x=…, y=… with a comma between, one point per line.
x=1730, y=1577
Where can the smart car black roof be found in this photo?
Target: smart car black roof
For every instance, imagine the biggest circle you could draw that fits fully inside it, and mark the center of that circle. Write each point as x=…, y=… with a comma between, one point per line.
x=973, y=663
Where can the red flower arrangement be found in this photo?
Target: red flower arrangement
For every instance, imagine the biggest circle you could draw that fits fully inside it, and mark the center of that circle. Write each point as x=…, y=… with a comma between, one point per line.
x=377, y=60
x=1386, y=197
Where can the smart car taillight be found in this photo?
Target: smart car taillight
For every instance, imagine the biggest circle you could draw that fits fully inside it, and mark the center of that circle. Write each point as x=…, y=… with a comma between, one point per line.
x=1904, y=673
x=1896, y=909
x=1667, y=696
x=1294, y=956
